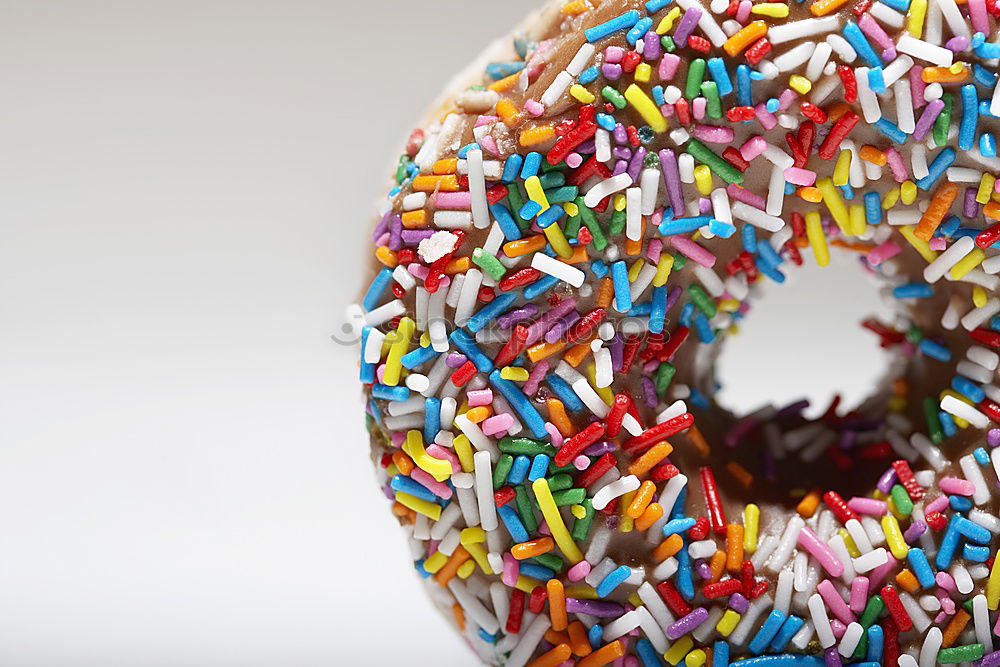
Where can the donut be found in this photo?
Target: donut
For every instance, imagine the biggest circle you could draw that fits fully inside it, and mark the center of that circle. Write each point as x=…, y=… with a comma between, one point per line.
x=570, y=235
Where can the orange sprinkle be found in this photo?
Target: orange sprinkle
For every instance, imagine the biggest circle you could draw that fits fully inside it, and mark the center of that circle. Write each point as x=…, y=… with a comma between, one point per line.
x=717, y=565
x=824, y=7
x=698, y=440
x=573, y=8
x=509, y=114
x=578, y=639
x=556, y=656
x=536, y=134
x=557, y=605
x=653, y=512
x=388, y=257
x=430, y=183
x=457, y=265
x=839, y=109
x=871, y=154
x=445, y=166
x=641, y=500
x=578, y=352
x=944, y=74
x=579, y=256
x=505, y=84
x=650, y=458
x=459, y=613
x=450, y=569
x=603, y=655
x=554, y=636
x=668, y=548
x=741, y=474
x=414, y=219
x=403, y=512
x=479, y=414
x=940, y=202
x=734, y=547
x=607, y=290
x=954, y=627
x=557, y=415
x=992, y=210
x=745, y=37
x=810, y=194
x=532, y=548
x=524, y=246
x=633, y=248
x=907, y=581
x=807, y=506
x=403, y=462
x=541, y=350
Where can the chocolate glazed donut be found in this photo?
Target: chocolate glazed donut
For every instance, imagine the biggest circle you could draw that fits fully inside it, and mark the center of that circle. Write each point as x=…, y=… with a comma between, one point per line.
x=572, y=232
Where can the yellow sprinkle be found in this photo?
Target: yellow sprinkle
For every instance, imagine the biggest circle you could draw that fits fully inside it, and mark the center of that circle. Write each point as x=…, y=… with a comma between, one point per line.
x=463, y=448
x=817, y=239
x=638, y=98
x=642, y=72
x=571, y=209
x=478, y=553
x=581, y=591
x=993, y=587
x=751, y=519
x=915, y=18
x=419, y=505
x=425, y=339
x=663, y=268
x=680, y=648
x=634, y=599
x=842, y=170
x=696, y=658
x=835, y=203
x=703, y=179
x=852, y=548
x=393, y=365
x=633, y=271
x=473, y=535
x=967, y=263
x=466, y=569
x=979, y=296
x=858, y=221
x=582, y=94
x=890, y=199
x=729, y=305
x=414, y=448
x=985, y=188
x=798, y=82
x=543, y=496
x=908, y=192
x=995, y=196
x=776, y=9
x=578, y=511
x=392, y=470
x=557, y=240
x=668, y=21
x=514, y=373
x=435, y=562
x=533, y=186
x=524, y=584
x=619, y=201
x=894, y=536
x=919, y=245
x=727, y=623
x=605, y=393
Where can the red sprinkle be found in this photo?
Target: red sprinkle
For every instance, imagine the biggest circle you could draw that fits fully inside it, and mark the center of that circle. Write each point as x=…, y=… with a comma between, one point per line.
x=716, y=513
x=907, y=479
x=463, y=374
x=721, y=589
x=596, y=470
x=513, y=346
x=652, y=435
x=516, y=611
x=988, y=236
x=503, y=495
x=536, y=601
x=839, y=506
x=519, y=279
x=579, y=442
x=846, y=74
x=813, y=112
x=756, y=52
x=734, y=158
x=736, y=114
x=699, y=530
x=673, y=598
x=699, y=43
x=619, y=408
x=838, y=133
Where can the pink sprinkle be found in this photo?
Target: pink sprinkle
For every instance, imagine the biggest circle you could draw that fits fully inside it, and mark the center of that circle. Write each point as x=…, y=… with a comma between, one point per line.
x=883, y=251
x=787, y=97
x=486, y=120
x=838, y=628
x=578, y=571
x=936, y=505
x=667, y=110
x=573, y=160
x=535, y=377
x=544, y=528
x=821, y=552
x=557, y=438
x=870, y=27
x=996, y=627
x=835, y=602
x=753, y=147
x=698, y=106
x=489, y=143
x=581, y=462
x=693, y=251
x=453, y=201
x=479, y=397
x=896, y=164
x=713, y=134
x=745, y=196
x=439, y=489
x=980, y=20
x=859, y=594
x=630, y=661
x=379, y=372
x=418, y=270
x=614, y=54
x=534, y=107
x=957, y=486
x=766, y=118
x=917, y=86
x=397, y=439
x=655, y=245
x=869, y=506
x=938, y=243
x=798, y=176
x=743, y=11
x=668, y=66
x=382, y=240
x=876, y=576
x=947, y=604
x=944, y=580
x=497, y=423
x=511, y=569
x=439, y=452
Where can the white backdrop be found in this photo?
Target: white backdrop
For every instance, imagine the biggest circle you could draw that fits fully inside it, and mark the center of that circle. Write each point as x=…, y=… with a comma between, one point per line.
x=184, y=190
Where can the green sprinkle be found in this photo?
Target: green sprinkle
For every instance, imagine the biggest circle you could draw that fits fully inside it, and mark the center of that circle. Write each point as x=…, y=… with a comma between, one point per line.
x=600, y=241
x=702, y=300
x=955, y=654
x=560, y=481
x=516, y=198
x=679, y=262
x=569, y=497
x=696, y=74
x=501, y=470
x=668, y=43
x=914, y=335
x=613, y=96
x=873, y=609
x=404, y=162
x=713, y=108
x=553, y=179
x=525, y=509
x=943, y=121
x=562, y=194
x=550, y=560
x=617, y=224
x=488, y=263
x=934, y=429
x=720, y=167
x=664, y=374
x=525, y=446
x=902, y=500
x=546, y=167
x=572, y=227
x=581, y=527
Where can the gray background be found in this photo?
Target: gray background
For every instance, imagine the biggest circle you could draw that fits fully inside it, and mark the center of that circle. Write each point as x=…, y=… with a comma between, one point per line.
x=184, y=192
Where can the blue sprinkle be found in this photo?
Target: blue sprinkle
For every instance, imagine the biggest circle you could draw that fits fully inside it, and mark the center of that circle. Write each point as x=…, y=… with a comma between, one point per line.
x=772, y=105
x=960, y=503
x=890, y=130
x=405, y=484
x=698, y=399
x=783, y=660
x=599, y=268
x=937, y=168
x=588, y=75
x=721, y=229
x=550, y=215
x=511, y=167
x=899, y=5
x=506, y=221
x=720, y=654
x=792, y=625
x=876, y=640
x=658, y=96
x=934, y=350
x=367, y=374
x=749, y=238
x=970, y=117
x=683, y=225
x=487, y=637
x=606, y=121
x=685, y=573
x=565, y=393
x=654, y=6
x=847, y=191
x=467, y=346
x=638, y=30
x=744, y=96
x=767, y=631
x=658, y=309
x=876, y=80
x=717, y=68
x=540, y=286
x=950, y=226
x=983, y=76
x=704, y=329
x=650, y=658
x=376, y=289
x=492, y=310
x=982, y=457
x=520, y=403
x=968, y=388
x=920, y=566
x=641, y=310
x=539, y=466
x=873, y=208
x=532, y=161
x=789, y=189
x=432, y=418
x=536, y=571
x=623, y=297
x=418, y=357
x=767, y=253
x=512, y=522
x=913, y=291
x=530, y=209
x=976, y=554
x=687, y=311
x=774, y=274
x=947, y=423
x=987, y=145
x=499, y=71
x=595, y=635
x=464, y=150
x=614, y=579
x=971, y=530
x=622, y=22
x=519, y=471
x=387, y=393
x=856, y=38
x=677, y=526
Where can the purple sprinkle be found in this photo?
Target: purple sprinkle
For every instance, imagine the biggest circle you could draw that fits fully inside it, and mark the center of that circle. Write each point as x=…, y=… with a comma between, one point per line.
x=382, y=227
x=622, y=152
x=684, y=625
x=535, y=377
x=611, y=72
x=792, y=409
x=649, y=393
x=651, y=46
x=415, y=236
x=395, y=233
x=587, y=147
x=971, y=207
x=675, y=294
x=511, y=317
x=559, y=328
x=703, y=570
x=621, y=166
x=598, y=608
x=738, y=603
x=617, y=346
x=454, y=360
x=704, y=205
x=686, y=26
x=746, y=196
x=848, y=439
x=672, y=180
x=916, y=529
x=988, y=660
x=926, y=119
x=957, y=43
x=886, y=481
x=832, y=657
x=993, y=437
x=541, y=325
x=620, y=134
x=601, y=448
x=635, y=165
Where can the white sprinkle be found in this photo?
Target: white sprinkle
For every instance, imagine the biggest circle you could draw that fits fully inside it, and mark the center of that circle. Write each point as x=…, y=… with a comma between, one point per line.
x=841, y=47
x=608, y=186
x=918, y=48
x=920, y=620
x=904, y=106
x=953, y=17
x=749, y=620
x=986, y=358
x=384, y=313
x=649, y=181
x=530, y=638
x=867, y=562
x=556, y=88
x=931, y=453
x=869, y=103
x=765, y=548
x=906, y=660
x=839, y=548
x=652, y=601
x=963, y=410
x=981, y=620
x=978, y=316
x=665, y=570
x=373, y=347
x=701, y=549
x=953, y=313
x=475, y=435
x=473, y=607
x=899, y=217
x=602, y=145
x=803, y=636
x=581, y=59
x=794, y=57
x=615, y=489
x=886, y=15
x=590, y=398
x=557, y=269
x=970, y=468
x=672, y=490
x=787, y=544
x=849, y=641
x=484, y=490
x=776, y=191
x=633, y=214
x=443, y=526
x=817, y=612
x=652, y=629
x=642, y=281
x=895, y=70
x=963, y=581
x=783, y=591
x=817, y=61
x=756, y=217
x=685, y=165
x=929, y=649
x=707, y=23
x=798, y=29
x=453, y=219
x=467, y=301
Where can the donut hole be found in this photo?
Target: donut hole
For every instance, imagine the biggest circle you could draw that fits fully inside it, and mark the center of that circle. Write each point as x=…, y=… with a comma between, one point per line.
x=803, y=340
